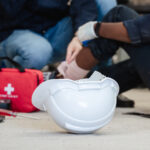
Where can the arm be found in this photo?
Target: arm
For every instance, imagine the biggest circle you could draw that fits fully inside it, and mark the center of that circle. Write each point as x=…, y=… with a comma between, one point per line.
x=81, y=12
x=115, y=31
x=134, y=31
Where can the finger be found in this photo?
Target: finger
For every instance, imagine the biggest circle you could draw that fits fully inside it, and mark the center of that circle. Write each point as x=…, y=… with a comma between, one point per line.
x=73, y=56
x=70, y=51
x=62, y=68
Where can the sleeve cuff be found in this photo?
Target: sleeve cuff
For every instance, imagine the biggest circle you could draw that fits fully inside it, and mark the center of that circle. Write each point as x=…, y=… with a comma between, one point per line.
x=133, y=31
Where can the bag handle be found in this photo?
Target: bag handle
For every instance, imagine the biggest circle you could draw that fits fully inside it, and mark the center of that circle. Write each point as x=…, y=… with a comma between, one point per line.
x=17, y=65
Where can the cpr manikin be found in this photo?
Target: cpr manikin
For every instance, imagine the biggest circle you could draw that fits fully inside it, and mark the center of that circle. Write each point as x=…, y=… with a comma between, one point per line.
x=81, y=106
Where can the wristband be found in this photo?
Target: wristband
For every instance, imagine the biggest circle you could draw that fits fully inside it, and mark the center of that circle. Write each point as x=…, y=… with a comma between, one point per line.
x=97, y=27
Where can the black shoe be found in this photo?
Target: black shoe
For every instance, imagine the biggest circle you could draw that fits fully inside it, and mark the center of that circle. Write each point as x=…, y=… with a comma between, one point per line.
x=50, y=75
x=123, y=101
x=5, y=104
x=2, y=118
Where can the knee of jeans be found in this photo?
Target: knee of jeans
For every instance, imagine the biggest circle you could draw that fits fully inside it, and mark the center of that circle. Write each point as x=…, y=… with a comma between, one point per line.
x=28, y=63
x=120, y=13
x=39, y=58
x=126, y=13
x=34, y=60
x=29, y=49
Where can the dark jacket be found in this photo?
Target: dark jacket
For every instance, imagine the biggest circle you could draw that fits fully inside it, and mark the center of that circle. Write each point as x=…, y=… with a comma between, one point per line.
x=39, y=15
x=139, y=29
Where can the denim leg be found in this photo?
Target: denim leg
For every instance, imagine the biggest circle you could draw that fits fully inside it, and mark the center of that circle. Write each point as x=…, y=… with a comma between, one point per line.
x=103, y=48
x=104, y=7
x=59, y=36
x=140, y=56
x=27, y=48
x=124, y=73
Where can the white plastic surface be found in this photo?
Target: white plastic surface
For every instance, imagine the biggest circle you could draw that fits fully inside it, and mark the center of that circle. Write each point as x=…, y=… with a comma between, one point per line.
x=78, y=106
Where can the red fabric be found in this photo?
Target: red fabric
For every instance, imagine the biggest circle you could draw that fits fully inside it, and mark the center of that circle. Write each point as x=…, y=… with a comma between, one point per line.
x=18, y=87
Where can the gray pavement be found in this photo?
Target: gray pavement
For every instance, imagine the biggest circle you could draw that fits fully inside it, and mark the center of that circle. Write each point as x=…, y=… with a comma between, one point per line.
x=123, y=133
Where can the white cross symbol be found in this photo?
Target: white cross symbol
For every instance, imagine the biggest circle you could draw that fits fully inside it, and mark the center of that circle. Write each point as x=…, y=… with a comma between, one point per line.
x=9, y=89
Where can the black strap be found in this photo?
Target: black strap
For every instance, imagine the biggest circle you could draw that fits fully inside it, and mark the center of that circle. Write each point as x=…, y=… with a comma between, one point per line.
x=97, y=28
x=138, y=114
x=17, y=65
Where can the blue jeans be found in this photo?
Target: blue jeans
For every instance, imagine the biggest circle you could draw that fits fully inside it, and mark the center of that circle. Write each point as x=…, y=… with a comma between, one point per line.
x=135, y=70
x=33, y=50
x=104, y=7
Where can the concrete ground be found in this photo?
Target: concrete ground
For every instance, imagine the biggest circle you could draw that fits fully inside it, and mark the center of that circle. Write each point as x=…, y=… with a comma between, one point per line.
x=123, y=133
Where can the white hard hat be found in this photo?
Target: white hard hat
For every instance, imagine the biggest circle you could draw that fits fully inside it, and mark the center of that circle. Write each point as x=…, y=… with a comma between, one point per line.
x=81, y=106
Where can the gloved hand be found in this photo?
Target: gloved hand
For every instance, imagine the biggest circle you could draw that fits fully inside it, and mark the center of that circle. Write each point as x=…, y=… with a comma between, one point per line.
x=86, y=31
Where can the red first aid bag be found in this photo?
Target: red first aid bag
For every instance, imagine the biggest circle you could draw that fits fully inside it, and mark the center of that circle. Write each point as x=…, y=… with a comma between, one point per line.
x=18, y=85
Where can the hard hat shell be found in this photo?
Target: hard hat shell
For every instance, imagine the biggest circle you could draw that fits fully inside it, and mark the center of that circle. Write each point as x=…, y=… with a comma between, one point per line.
x=81, y=106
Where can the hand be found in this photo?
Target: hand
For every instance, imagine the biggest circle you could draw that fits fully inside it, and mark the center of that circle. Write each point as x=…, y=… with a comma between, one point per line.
x=73, y=50
x=62, y=68
x=86, y=31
